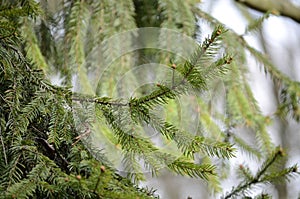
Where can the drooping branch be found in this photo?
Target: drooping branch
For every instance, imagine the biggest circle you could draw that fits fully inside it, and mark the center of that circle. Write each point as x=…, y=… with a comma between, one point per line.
x=285, y=8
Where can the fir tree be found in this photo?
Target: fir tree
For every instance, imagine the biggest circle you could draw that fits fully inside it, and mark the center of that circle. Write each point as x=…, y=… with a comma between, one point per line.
x=48, y=132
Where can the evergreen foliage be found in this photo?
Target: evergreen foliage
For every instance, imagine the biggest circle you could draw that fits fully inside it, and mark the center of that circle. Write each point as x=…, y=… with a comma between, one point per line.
x=43, y=153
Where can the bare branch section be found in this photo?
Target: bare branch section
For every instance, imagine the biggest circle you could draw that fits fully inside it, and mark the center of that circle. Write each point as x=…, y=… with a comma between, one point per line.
x=285, y=8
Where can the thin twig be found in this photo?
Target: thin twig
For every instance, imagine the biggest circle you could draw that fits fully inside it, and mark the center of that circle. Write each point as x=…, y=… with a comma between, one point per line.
x=4, y=151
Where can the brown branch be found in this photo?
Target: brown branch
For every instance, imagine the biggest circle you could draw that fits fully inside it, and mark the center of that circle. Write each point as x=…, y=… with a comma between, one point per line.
x=99, y=101
x=285, y=8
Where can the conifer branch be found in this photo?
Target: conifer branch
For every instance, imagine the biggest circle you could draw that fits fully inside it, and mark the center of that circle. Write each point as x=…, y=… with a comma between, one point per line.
x=246, y=147
x=262, y=58
x=134, y=144
x=290, y=89
x=190, y=74
x=10, y=33
x=263, y=175
x=191, y=169
x=186, y=142
x=39, y=128
x=256, y=24
x=34, y=52
x=184, y=21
